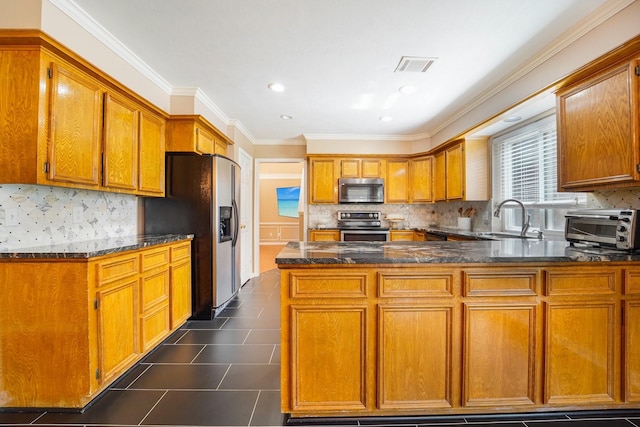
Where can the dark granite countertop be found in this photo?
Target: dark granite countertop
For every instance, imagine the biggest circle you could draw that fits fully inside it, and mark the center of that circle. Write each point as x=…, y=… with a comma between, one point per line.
x=487, y=251
x=93, y=248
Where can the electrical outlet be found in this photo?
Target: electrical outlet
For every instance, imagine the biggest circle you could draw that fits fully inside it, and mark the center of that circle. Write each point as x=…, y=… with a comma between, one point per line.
x=78, y=214
x=11, y=217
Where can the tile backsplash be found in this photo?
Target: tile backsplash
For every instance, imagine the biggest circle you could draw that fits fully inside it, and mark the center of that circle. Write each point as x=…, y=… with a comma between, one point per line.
x=445, y=214
x=36, y=215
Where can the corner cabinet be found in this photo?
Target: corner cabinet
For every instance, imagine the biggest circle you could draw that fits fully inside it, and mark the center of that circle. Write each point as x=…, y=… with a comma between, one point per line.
x=96, y=317
x=599, y=129
x=461, y=171
x=194, y=134
x=67, y=124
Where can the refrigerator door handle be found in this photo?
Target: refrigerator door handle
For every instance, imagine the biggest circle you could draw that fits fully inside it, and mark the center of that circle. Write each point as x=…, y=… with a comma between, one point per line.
x=236, y=222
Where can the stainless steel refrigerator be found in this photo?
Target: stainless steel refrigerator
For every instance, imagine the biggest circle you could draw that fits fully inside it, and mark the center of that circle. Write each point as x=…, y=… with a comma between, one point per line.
x=202, y=197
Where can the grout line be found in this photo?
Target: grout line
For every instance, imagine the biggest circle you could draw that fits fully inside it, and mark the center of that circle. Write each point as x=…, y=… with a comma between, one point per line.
x=223, y=377
x=255, y=405
x=153, y=407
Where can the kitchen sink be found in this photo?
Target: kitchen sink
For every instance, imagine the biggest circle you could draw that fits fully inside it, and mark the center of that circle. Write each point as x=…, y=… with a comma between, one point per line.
x=503, y=235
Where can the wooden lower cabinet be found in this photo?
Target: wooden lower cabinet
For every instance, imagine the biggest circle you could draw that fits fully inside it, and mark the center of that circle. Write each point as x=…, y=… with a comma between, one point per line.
x=414, y=356
x=117, y=313
x=499, y=354
x=324, y=235
x=328, y=347
x=82, y=322
x=427, y=339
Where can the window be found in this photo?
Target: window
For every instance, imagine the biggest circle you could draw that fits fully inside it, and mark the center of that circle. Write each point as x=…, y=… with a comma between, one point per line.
x=525, y=168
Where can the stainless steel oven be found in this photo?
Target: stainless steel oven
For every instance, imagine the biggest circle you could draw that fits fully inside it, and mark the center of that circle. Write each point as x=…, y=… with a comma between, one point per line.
x=361, y=235
x=615, y=228
x=362, y=226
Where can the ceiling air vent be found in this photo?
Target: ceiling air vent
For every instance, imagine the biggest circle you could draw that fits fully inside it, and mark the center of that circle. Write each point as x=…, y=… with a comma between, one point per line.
x=414, y=64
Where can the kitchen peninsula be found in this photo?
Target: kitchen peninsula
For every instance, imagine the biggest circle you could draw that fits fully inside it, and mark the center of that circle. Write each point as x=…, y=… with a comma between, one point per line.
x=427, y=328
x=75, y=316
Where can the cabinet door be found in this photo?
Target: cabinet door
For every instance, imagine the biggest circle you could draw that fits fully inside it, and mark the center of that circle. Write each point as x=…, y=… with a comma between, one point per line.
x=180, y=296
x=221, y=147
x=455, y=172
x=401, y=236
x=397, y=182
x=414, y=357
x=439, y=177
x=322, y=181
x=349, y=168
x=499, y=354
x=580, y=352
x=371, y=168
x=324, y=236
x=117, y=327
x=328, y=354
x=75, y=127
x=421, y=180
x=151, y=155
x=598, y=130
x=205, y=142
x=120, y=163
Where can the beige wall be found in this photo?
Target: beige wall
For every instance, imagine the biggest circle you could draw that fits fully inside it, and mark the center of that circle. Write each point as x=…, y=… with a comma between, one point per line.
x=280, y=151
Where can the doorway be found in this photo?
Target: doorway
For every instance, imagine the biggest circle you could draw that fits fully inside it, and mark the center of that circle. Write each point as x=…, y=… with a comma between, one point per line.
x=280, y=208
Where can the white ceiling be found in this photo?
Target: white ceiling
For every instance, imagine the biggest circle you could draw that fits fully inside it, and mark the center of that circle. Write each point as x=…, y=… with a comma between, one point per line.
x=329, y=54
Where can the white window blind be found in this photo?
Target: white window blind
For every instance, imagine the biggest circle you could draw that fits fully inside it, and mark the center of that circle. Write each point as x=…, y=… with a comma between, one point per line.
x=525, y=166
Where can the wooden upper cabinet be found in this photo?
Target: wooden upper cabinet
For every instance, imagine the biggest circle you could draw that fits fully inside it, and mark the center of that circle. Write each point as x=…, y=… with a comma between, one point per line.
x=75, y=126
x=439, y=177
x=421, y=179
x=194, y=134
x=323, y=184
x=64, y=123
x=151, y=167
x=598, y=130
x=372, y=168
x=349, y=168
x=361, y=168
x=397, y=181
x=120, y=162
x=461, y=171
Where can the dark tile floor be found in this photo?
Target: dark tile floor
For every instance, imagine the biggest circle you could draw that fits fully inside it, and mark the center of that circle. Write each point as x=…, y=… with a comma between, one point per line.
x=226, y=372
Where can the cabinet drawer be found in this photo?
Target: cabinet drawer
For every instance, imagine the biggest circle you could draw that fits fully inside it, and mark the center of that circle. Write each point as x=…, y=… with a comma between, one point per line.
x=583, y=281
x=632, y=282
x=492, y=283
x=154, y=288
x=154, y=326
x=415, y=285
x=154, y=258
x=330, y=285
x=116, y=268
x=179, y=252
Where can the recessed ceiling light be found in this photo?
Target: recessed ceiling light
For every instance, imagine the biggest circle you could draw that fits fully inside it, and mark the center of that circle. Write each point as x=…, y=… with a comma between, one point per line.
x=407, y=89
x=286, y=117
x=276, y=87
x=386, y=118
x=512, y=119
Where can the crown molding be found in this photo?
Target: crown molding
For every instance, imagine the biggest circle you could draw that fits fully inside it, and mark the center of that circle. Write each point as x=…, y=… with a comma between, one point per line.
x=605, y=12
x=280, y=142
x=73, y=11
x=352, y=137
x=242, y=129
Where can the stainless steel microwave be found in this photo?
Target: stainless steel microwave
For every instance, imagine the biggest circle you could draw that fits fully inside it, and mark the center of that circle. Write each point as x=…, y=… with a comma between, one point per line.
x=361, y=190
x=614, y=228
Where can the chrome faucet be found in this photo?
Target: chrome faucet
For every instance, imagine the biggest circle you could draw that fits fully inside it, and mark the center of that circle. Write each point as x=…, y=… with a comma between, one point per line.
x=525, y=224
